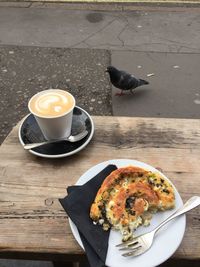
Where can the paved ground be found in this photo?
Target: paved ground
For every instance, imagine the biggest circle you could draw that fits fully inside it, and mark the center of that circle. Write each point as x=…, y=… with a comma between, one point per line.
x=27, y=70
x=173, y=92
x=152, y=31
x=88, y=41
x=45, y=45
x=20, y=263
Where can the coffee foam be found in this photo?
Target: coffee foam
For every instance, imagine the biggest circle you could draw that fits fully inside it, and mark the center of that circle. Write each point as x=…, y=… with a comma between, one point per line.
x=51, y=103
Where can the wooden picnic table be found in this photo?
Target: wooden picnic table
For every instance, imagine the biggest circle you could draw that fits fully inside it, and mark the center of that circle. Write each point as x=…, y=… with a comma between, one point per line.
x=33, y=225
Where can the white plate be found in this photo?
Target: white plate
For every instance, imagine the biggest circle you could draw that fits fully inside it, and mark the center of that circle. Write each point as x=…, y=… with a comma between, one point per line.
x=167, y=239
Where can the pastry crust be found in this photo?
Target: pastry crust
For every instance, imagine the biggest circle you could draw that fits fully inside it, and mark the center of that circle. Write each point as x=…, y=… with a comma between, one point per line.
x=127, y=196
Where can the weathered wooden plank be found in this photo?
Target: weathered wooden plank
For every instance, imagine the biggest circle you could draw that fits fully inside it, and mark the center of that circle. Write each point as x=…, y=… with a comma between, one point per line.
x=30, y=186
x=52, y=235
x=37, y=198
x=145, y=131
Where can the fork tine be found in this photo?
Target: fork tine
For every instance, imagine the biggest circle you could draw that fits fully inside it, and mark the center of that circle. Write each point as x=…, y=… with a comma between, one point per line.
x=132, y=247
x=130, y=241
x=134, y=252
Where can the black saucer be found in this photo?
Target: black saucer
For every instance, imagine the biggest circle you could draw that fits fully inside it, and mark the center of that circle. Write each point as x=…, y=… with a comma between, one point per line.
x=29, y=132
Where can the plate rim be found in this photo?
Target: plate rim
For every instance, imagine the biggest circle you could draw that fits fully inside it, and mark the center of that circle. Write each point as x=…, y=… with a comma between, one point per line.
x=112, y=161
x=60, y=155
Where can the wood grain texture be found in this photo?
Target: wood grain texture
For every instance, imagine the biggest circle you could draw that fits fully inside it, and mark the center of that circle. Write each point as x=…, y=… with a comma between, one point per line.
x=32, y=221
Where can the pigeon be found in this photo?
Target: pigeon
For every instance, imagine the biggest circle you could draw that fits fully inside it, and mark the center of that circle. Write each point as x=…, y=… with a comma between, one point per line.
x=123, y=80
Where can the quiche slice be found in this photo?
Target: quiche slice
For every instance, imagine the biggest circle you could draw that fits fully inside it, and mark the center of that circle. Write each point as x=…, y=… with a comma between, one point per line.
x=128, y=197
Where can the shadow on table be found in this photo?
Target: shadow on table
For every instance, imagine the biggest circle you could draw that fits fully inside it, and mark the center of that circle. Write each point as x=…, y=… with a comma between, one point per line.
x=168, y=263
x=84, y=263
x=181, y=263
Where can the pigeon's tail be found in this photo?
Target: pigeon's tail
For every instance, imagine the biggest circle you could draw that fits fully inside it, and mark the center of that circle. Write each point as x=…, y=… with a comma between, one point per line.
x=143, y=82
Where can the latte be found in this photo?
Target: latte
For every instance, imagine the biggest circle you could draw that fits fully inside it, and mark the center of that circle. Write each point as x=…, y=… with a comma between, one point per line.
x=51, y=103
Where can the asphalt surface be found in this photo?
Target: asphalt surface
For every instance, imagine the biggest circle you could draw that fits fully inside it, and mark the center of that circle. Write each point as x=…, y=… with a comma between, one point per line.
x=139, y=30
x=25, y=71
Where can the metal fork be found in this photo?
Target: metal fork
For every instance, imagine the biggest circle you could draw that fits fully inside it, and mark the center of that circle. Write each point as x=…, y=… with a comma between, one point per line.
x=140, y=244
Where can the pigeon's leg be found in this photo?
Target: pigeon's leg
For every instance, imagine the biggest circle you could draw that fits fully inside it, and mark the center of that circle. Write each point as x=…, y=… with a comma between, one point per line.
x=131, y=90
x=120, y=94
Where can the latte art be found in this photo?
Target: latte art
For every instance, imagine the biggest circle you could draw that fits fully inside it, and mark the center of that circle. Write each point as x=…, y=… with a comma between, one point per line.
x=51, y=103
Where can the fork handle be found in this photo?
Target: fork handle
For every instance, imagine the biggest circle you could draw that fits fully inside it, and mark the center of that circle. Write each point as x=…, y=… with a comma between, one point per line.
x=192, y=203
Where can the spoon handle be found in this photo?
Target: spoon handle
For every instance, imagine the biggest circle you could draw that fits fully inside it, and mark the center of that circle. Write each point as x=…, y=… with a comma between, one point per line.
x=71, y=138
x=30, y=146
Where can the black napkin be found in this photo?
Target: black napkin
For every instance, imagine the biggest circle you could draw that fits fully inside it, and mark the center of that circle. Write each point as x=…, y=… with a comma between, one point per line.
x=77, y=205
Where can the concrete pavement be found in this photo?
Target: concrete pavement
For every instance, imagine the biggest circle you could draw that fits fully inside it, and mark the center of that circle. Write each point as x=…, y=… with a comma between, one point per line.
x=173, y=90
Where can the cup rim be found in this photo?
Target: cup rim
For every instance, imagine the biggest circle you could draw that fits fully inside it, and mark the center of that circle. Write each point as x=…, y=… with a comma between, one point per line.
x=51, y=117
